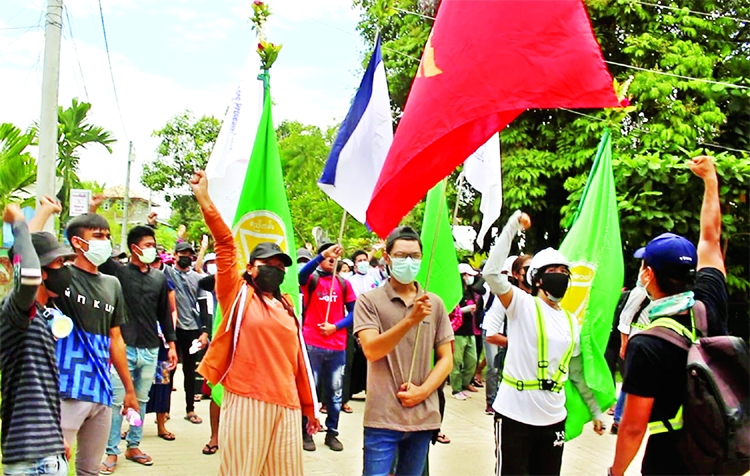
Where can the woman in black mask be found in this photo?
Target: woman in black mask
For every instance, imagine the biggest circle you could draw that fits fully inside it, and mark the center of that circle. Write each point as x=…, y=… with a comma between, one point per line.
x=543, y=353
x=257, y=355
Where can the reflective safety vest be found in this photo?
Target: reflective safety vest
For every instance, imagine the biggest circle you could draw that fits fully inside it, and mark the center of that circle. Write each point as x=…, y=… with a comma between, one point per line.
x=545, y=380
x=673, y=424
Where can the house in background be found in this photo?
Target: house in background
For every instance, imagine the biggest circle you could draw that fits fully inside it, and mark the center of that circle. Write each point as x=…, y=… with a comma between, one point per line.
x=112, y=208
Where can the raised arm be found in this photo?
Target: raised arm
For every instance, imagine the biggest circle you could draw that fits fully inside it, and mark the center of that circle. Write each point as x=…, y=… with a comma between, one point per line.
x=47, y=207
x=498, y=282
x=23, y=294
x=228, y=279
x=709, y=245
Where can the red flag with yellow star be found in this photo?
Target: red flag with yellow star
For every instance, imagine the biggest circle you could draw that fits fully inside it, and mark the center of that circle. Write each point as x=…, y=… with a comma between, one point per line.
x=485, y=62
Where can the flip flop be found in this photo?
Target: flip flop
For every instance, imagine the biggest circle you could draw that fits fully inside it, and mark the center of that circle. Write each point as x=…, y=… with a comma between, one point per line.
x=346, y=409
x=167, y=436
x=210, y=449
x=193, y=418
x=441, y=438
x=142, y=458
x=108, y=468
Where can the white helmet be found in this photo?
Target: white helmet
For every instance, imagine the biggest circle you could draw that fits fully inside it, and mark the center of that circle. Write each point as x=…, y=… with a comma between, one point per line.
x=508, y=265
x=546, y=257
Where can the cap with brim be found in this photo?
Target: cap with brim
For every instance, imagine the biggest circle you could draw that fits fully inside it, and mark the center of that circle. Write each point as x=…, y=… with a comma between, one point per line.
x=464, y=268
x=669, y=252
x=183, y=246
x=209, y=257
x=48, y=248
x=119, y=255
x=304, y=253
x=270, y=250
x=324, y=247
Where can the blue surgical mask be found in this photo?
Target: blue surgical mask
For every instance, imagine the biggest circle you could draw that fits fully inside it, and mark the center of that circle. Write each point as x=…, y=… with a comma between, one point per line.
x=405, y=270
x=99, y=251
x=363, y=267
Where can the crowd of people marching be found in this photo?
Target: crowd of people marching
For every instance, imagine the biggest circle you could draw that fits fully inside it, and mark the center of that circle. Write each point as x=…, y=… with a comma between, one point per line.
x=89, y=339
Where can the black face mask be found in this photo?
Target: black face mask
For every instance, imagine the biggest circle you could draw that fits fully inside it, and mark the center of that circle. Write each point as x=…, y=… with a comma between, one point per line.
x=555, y=285
x=269, y=278
x=184, y=262
x=57, y=280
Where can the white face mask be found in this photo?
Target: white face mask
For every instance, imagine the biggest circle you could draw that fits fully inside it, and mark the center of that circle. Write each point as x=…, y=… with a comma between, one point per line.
x=99, y=251
x=346, y=274
x=641, y=284
x=363, y=267
x=469, y=280
x=211, y=268
x=147, y=256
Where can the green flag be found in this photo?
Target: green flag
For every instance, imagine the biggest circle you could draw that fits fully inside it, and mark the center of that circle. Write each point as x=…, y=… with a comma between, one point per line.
x=439, y=252
x=594, y=249
x=263, y=211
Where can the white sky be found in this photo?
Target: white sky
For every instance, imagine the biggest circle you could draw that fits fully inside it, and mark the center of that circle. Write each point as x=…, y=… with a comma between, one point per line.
x=172, y=55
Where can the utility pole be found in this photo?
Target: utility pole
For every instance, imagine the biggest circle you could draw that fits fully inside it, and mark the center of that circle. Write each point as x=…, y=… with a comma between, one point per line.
x=47, y=162
x=126, y=201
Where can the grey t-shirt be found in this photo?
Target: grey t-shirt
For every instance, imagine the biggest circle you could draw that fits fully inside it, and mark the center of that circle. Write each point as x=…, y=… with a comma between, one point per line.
x=187, y=295
x=381, y=309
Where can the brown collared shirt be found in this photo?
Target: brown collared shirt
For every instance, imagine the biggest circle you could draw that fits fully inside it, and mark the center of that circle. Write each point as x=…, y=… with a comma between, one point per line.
x=381, y=309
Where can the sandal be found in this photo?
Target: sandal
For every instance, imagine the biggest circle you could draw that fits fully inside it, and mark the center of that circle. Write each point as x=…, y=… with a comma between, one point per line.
x=442, y=438
x=210, y=449
x=108, y=468
x=346, y=408
x=167, y=436
x=193, y=418
x=142, y=458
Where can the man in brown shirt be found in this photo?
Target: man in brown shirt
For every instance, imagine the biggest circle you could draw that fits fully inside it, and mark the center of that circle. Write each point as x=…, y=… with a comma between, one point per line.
x=400, y=418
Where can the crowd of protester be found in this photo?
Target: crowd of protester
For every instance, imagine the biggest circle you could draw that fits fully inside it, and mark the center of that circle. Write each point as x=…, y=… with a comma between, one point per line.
x=90, y=338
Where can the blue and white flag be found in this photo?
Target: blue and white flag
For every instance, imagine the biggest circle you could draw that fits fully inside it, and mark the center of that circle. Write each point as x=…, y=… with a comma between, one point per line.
x=358, y=154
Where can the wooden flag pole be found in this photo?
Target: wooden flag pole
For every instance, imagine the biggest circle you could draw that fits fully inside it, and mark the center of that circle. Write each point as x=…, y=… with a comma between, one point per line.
x=335, y=266
x=426, y=286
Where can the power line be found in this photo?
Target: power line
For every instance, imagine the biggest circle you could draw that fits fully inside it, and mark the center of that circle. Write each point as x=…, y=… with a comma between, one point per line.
x=664, y=73
x=729, y=85
x=78, y=58
x=19, y=27
x=711, y=15
x=706, y=144
x=111, y=73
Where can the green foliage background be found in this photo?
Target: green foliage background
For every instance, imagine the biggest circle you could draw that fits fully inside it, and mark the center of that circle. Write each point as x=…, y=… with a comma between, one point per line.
x=547, y=153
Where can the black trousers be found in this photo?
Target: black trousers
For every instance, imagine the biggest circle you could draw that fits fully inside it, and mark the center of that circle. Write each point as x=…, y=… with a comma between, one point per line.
x=189, y=363
x=532, y=450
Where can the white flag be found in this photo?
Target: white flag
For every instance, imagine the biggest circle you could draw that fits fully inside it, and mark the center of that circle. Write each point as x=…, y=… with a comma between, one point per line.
x=227, y=165
x=359, y=151
x=482, y=171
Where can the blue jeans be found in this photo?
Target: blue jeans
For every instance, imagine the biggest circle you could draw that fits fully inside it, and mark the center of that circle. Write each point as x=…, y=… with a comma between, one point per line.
x=490, y=353
x=142, y=365
x=328, y=371
x=382, y=446
x=51, y=465
x=620, y=407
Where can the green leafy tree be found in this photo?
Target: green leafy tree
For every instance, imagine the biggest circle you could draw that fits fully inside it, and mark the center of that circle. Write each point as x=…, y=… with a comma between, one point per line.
x=186, y=144
x=17, y=166
x=74, y=133
x=547, y=153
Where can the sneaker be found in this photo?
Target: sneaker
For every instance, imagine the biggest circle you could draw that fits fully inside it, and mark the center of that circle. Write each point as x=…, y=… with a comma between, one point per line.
x=460, y=396
x=308, y=444
x=615, y=428
x=333, y=443
x=489, y=410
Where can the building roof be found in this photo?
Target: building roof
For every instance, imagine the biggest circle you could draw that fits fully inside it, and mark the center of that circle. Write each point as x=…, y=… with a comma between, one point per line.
x=118, y=192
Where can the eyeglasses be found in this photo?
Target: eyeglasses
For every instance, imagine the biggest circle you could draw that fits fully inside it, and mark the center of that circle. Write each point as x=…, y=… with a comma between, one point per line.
x=414, y=256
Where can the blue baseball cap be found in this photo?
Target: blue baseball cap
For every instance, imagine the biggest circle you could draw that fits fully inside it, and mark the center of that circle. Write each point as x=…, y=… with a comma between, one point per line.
x=669, y=252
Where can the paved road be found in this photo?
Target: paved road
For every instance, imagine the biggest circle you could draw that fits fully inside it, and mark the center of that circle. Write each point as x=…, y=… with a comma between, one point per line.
x=471, y=451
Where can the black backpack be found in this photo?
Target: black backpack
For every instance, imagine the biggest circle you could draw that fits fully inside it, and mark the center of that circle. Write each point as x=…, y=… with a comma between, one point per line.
x=716, y=411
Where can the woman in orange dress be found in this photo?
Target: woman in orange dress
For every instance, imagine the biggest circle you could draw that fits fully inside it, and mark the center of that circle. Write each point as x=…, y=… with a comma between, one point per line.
x=257, y=354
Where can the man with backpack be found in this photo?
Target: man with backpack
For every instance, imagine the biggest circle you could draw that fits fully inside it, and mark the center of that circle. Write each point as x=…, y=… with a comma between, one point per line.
x=656, y=382
x=328, y=306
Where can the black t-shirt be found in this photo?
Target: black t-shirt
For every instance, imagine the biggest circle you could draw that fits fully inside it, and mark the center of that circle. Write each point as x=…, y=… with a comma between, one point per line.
x=656, y=369
x=467, y=326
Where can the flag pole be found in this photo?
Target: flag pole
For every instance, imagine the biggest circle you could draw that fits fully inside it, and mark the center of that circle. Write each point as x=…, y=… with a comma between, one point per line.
x=335, y=267
x=426, y=286
x=459, y=183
